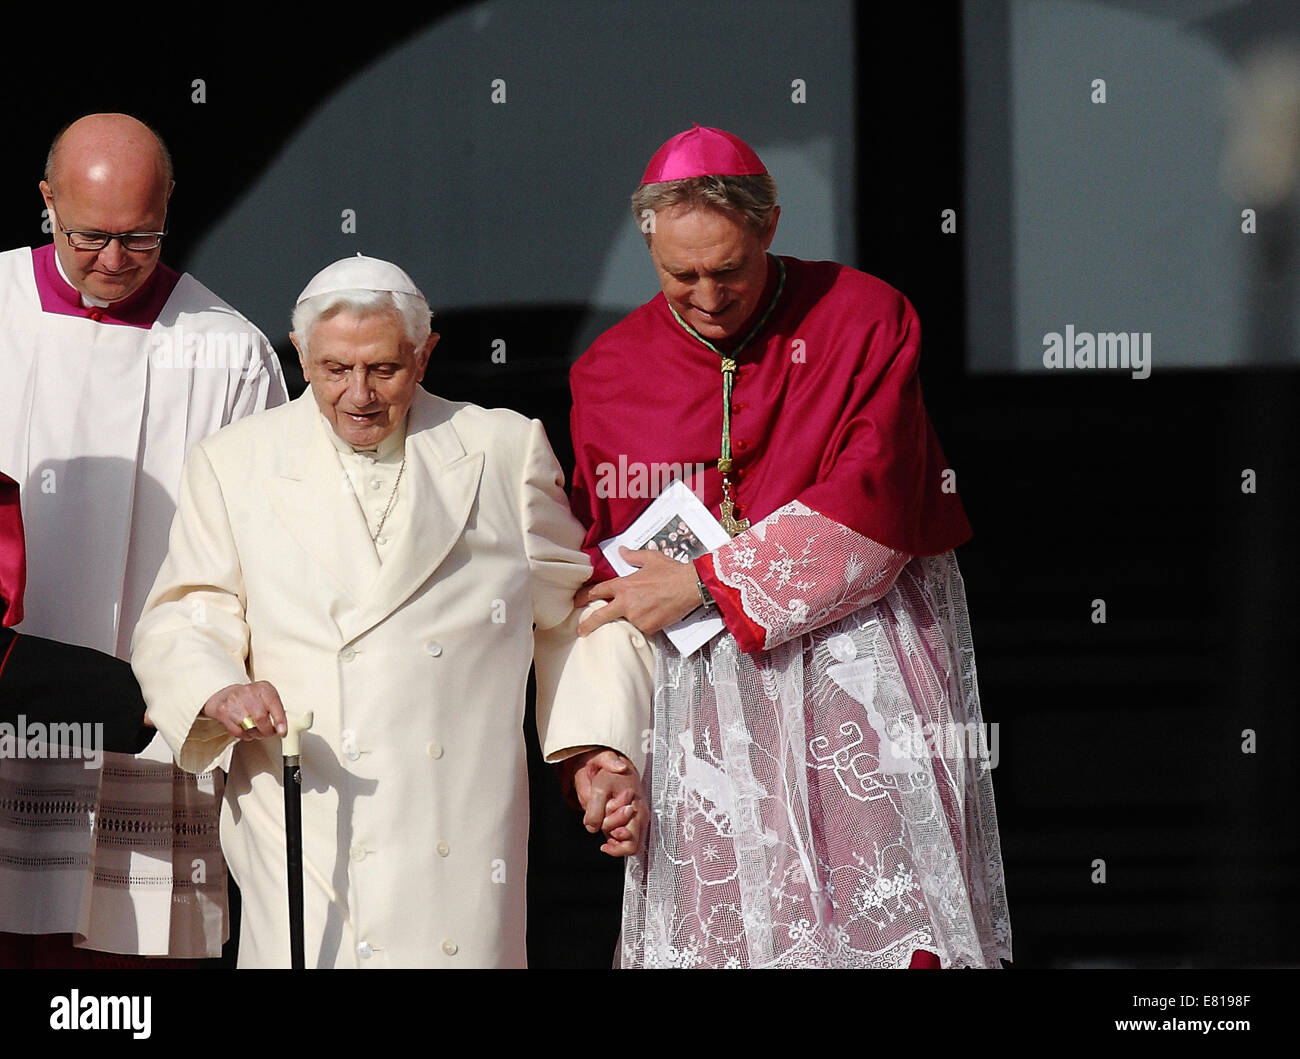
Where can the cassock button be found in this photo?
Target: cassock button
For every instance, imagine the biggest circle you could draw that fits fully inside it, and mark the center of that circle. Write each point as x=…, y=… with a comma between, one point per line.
x=434, y=648
x=638, y=640
x=348, y=743
x=358, y=854
x=450, y=947
x=742, y=445
x=365, y=950
x=435, y=750
x=381, y=540
x=443, y=849
x=375, y=483
x=347, y=654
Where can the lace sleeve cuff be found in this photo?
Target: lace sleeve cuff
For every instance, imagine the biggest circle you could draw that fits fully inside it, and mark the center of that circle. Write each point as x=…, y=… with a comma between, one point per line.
x=749, y=636
x=797, y=570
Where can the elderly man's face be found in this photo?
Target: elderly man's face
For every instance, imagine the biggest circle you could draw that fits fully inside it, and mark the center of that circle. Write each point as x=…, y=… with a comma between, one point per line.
x=363, y=373
x=91, y=200
x=712, y=267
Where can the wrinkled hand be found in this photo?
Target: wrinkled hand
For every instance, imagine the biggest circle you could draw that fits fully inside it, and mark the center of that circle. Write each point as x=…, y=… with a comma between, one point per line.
x=259, y=701
x=661, y=592
x=609, y=790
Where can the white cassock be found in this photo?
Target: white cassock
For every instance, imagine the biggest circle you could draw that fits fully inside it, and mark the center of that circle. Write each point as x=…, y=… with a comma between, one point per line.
x=413, y=656
x=98, y=408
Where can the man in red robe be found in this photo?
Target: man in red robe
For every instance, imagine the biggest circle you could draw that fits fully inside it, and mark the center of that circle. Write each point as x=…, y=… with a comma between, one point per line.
x=818, y=778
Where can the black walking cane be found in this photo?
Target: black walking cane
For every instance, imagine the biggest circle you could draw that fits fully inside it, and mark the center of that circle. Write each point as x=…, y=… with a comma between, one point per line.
x=297, y=723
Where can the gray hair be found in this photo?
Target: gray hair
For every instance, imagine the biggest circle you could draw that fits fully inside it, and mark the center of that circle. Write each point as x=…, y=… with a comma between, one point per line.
x=410, y=309
x=752, y=197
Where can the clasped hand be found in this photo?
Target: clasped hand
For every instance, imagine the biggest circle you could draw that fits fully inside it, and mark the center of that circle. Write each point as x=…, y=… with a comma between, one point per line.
x=661, y=592
x=608, y=788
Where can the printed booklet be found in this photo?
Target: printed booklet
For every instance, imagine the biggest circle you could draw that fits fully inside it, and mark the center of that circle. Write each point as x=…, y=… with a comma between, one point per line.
x=682, y=528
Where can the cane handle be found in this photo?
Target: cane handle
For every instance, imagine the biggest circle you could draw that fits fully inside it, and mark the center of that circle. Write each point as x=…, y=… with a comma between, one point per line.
x=297, y=724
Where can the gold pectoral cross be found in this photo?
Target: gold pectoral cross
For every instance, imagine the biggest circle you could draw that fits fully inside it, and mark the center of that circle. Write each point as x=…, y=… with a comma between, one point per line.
x=729, y=521
x=727, y=510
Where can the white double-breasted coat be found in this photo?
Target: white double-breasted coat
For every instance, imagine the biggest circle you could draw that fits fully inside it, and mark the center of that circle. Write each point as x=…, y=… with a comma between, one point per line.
x=414, y=787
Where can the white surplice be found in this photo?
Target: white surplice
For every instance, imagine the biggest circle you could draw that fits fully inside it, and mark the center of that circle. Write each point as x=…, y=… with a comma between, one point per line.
x=95, y=420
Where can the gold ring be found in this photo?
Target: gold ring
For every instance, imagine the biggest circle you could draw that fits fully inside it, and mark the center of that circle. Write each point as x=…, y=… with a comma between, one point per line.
x=248, y=724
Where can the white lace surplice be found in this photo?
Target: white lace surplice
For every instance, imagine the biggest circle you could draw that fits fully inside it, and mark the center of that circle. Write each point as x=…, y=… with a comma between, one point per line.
x=826, y=802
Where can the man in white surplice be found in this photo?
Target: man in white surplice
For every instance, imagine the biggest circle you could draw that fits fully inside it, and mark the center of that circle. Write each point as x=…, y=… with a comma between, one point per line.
x=114, y=366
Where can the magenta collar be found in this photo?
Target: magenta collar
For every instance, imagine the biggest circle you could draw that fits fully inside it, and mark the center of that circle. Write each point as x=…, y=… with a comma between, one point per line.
x=141, y=309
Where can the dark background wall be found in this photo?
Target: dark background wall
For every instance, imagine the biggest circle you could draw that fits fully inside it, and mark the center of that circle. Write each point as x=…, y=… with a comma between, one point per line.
x=1119, y=742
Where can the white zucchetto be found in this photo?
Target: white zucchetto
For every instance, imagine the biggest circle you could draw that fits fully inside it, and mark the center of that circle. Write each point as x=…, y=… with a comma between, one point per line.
x=359, y=273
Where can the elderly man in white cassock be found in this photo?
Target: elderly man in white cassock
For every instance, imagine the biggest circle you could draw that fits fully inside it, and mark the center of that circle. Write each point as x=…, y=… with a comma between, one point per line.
x=392, y=562
x=113, y=365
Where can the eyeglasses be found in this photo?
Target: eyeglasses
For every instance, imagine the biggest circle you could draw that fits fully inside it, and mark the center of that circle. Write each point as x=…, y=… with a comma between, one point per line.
x=134, y=241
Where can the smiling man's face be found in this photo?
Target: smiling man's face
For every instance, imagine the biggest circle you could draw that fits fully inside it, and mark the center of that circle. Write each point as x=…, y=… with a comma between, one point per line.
x=363, y=373
x=712, y=267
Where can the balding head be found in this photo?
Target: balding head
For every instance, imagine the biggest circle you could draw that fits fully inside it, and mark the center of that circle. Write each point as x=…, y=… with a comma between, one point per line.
x=107, y=173
x=108, y=131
